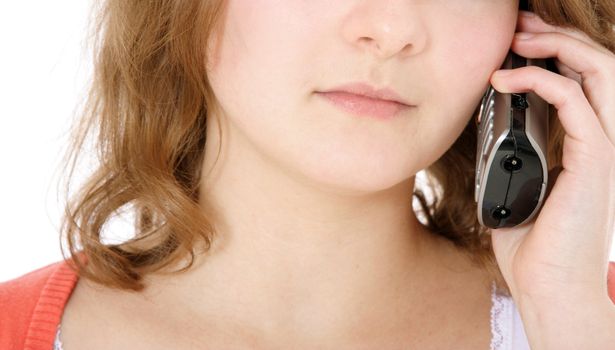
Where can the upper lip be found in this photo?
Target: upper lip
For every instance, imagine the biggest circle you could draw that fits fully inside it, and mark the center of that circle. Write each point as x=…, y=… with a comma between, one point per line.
x=367, y=90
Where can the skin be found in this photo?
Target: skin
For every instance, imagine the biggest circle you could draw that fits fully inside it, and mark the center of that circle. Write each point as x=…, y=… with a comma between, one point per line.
x=317, y=242
x=337, y=216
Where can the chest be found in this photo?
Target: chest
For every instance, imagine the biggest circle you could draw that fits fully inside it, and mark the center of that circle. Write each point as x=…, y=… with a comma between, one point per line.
x=470, y=339
x=91, y=325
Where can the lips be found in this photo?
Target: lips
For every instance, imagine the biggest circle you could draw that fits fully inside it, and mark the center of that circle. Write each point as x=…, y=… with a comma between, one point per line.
x=363, y=106
x=366, y=90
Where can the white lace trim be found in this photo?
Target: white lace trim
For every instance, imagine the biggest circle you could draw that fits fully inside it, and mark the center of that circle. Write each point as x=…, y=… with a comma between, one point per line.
x=57, y=343
x=503, y=336
x=497, y=305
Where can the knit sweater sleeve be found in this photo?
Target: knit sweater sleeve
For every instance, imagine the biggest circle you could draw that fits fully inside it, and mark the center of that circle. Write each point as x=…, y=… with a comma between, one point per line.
x=31, y=306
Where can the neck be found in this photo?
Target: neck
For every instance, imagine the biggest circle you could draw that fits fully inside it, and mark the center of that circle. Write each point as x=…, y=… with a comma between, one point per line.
x=290, y=256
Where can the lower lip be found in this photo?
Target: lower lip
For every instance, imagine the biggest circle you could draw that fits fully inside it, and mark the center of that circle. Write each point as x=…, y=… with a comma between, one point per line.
x=364, y=106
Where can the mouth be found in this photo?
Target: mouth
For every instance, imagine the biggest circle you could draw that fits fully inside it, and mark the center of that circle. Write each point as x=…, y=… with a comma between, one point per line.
x=367, y=90
x=362, y=105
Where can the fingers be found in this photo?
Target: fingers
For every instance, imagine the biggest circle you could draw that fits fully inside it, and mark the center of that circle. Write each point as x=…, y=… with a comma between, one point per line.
x=574, y=111
x=535, y=24
x=576, y=54
x=578, y=58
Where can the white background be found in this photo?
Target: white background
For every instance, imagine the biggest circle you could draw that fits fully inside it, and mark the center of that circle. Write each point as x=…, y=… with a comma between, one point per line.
x=43, y=74
x=44, y=69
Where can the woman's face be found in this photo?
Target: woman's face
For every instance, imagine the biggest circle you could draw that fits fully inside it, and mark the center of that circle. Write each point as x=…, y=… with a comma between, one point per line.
x=274, y=55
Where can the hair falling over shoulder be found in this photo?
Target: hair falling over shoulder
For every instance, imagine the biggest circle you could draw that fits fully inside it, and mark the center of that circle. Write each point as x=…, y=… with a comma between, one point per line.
x=145, y=112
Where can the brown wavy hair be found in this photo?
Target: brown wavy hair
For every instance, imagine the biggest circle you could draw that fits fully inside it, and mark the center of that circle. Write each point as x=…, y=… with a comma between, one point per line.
x=146, y=110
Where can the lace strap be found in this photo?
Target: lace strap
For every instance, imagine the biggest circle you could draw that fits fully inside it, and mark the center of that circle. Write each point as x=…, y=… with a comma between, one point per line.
x=500, y=320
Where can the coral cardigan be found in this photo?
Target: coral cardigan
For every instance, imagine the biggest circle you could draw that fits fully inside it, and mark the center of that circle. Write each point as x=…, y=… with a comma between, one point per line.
x=31, y=305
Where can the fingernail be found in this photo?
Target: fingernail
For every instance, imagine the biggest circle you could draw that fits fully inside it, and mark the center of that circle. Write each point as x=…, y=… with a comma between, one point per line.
x=524, y=35
x=527, y=14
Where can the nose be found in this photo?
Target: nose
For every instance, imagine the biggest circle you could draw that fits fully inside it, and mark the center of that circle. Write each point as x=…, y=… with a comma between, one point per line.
x=385, y=28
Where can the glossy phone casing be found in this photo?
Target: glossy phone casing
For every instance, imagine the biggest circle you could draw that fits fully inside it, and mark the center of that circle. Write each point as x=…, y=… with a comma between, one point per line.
x=511, y=159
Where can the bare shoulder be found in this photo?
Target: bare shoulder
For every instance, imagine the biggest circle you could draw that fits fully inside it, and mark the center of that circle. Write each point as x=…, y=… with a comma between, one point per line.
x=97, y=317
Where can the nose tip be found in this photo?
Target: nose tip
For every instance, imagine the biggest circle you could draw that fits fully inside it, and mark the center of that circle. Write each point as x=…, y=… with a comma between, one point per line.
x=383, y=50
x=385, y=29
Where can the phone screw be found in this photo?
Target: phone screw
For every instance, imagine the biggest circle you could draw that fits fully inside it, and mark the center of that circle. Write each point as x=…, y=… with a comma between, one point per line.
x=512, y=163
x=500, y=212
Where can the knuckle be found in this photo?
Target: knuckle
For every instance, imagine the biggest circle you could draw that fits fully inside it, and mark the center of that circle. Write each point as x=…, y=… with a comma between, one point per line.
x=572, y=88
x=534, y=69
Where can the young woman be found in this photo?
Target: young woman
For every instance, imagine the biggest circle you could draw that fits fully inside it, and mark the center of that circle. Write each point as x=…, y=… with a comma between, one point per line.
x=269, y=151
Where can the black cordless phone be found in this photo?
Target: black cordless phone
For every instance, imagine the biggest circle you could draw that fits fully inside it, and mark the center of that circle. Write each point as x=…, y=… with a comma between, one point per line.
x=511, y=153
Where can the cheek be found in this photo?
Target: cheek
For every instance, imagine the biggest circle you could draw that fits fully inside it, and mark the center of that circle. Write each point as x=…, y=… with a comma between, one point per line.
x=254, y=62
x=470, y=57
x=259, y=76
x=459, y=75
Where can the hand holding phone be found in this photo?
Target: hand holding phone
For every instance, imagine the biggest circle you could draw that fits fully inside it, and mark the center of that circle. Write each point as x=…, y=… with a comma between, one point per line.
x=511, y=154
